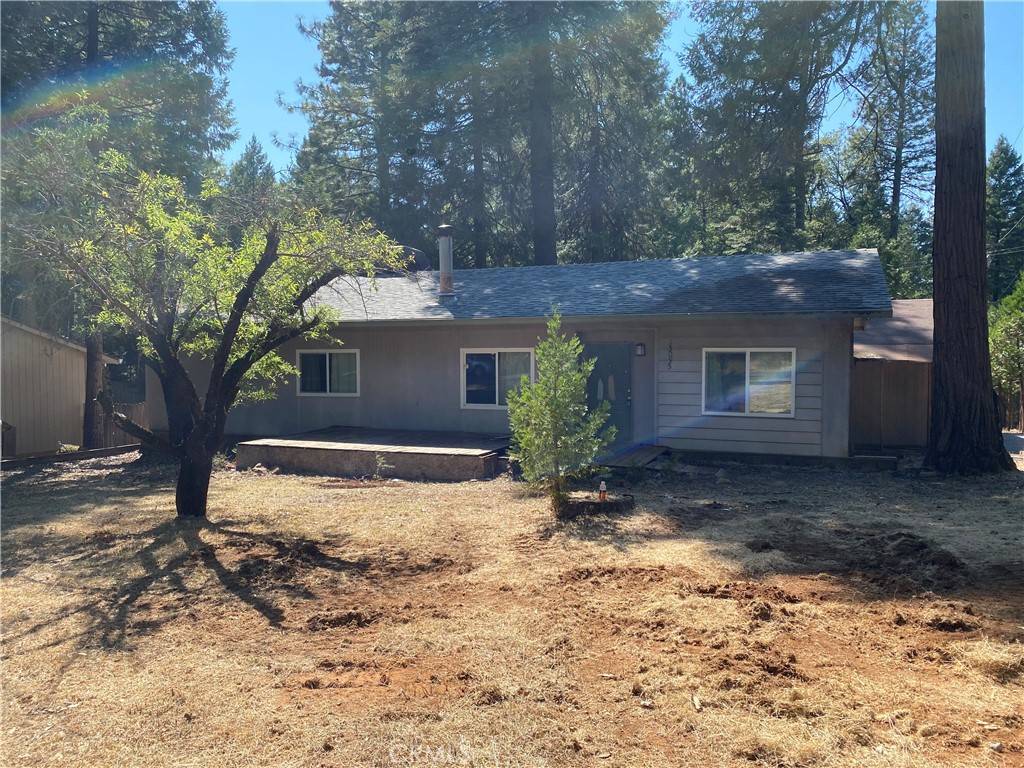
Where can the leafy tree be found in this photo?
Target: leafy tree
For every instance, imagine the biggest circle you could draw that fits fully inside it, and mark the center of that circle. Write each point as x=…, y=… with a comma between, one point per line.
x=163, y=271
x=157, y=71
x=1004, y=219
x=554, y=435
x=1006, y=339
x=965, y=435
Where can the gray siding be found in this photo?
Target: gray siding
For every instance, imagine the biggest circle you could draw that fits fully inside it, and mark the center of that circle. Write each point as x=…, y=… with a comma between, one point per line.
x=819, y=426
x=410, y=377
x=43, y=389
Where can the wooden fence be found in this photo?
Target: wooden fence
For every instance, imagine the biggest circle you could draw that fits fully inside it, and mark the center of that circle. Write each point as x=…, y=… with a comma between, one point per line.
x=113, y=436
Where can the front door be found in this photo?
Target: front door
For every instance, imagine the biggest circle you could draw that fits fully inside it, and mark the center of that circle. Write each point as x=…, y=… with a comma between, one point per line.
x=612, y=380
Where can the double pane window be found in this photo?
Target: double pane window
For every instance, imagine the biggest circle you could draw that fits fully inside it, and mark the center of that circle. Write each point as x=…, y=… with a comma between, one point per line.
x=489, y=375
x=329, y=373
x=756, y=382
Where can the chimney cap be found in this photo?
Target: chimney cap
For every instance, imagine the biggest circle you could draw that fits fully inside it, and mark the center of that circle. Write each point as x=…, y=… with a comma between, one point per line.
x=445, y=230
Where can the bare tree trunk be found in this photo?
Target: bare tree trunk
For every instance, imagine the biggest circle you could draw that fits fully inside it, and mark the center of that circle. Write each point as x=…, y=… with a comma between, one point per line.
x=479, y=189
x=965, y=435
x=92, y=34
x=542, y=158
x=92, y=423
x=897, y=173
x=193, y=486
x=1020, y=406
x=595, y=198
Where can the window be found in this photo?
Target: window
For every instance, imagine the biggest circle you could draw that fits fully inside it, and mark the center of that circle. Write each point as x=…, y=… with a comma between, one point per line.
x=329, y=373
x=749, y=382
x=490, y=374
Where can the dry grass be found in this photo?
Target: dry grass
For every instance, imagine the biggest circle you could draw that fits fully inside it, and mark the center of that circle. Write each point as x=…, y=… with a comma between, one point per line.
x=793, y=617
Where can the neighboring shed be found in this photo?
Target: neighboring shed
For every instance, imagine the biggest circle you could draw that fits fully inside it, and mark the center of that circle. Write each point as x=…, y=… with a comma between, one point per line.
x=42, y=391
x=892, y=375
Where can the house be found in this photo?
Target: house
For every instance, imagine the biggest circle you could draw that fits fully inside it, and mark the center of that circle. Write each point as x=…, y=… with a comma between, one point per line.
x=42, y=392
x=746, y=354
x=892, y=378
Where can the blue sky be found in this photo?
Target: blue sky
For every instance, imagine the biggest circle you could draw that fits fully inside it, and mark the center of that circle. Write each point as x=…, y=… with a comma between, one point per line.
x=272, y=56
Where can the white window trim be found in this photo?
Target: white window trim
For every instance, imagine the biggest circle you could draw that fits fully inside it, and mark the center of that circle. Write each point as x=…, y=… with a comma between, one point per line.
x=746, y=384
x=298, y=376
x=489, y=351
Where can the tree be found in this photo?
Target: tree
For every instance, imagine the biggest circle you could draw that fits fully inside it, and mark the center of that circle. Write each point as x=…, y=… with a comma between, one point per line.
x=534, y=126
x=897, y=106
x=1007, y=347
x=157, y=70
x=965, y=435
x=248, y=195
x=1004, y=219
x=554, y=435
x=761, y=74
x=163, y=271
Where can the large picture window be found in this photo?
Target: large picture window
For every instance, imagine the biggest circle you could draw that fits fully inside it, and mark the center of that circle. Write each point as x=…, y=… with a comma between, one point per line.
x=329, y=372
x=749, y=382
x=488, y=375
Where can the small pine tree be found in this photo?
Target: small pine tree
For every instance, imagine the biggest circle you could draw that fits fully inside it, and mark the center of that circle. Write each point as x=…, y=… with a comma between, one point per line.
x=554, y=435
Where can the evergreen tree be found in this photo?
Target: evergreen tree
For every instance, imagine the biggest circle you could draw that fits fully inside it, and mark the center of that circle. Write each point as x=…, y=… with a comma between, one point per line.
x=897, y=106
x=530, y=126
x=1004, y=219
x=554, y=435
x=158, y=68
x=761, y=75
x=249, y=192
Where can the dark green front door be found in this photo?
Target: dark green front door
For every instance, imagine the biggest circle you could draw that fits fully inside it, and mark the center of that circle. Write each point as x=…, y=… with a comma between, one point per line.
x=612, y=380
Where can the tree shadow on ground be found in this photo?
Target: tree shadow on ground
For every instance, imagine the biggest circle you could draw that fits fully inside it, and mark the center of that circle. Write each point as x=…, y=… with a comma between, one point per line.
x=167, y=577
x=75, y=486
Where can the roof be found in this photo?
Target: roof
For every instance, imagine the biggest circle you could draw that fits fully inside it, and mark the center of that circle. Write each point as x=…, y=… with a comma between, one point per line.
x=109, y=360
x=907, y=335
x=822, y=282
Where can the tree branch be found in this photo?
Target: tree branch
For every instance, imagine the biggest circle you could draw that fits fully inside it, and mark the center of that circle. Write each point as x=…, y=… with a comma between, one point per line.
x=148, y=438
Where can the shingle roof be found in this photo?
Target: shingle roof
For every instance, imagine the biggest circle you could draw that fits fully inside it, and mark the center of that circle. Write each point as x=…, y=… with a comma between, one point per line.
x=822, y=282
x=907, y=335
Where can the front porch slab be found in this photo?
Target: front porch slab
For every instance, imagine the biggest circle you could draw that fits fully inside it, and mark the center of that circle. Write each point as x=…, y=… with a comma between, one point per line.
x=360, y=452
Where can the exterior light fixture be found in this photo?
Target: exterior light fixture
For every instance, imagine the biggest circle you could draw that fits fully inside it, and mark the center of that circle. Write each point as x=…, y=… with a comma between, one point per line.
x=640, y=349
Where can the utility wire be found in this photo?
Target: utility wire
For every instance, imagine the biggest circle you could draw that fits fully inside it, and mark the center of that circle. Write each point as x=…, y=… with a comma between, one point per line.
x=1007, y=232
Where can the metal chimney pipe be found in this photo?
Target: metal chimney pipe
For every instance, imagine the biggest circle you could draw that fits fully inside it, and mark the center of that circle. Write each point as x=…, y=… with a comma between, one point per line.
x=446, y=289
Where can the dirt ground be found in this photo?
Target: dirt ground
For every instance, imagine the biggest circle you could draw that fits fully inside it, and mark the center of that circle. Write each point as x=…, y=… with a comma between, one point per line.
x=738, y=616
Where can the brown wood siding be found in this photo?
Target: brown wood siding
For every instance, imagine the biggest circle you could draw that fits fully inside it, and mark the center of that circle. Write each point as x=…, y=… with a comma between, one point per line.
x=891, y=404
x=43, y=390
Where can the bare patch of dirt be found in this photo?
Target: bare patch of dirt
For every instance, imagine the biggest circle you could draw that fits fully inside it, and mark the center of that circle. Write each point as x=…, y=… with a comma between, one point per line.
x=790, y=617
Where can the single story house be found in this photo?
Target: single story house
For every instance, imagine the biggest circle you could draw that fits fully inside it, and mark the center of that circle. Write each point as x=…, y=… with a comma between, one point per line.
x=892, y=378
x=42, y=391
x=744, y=354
